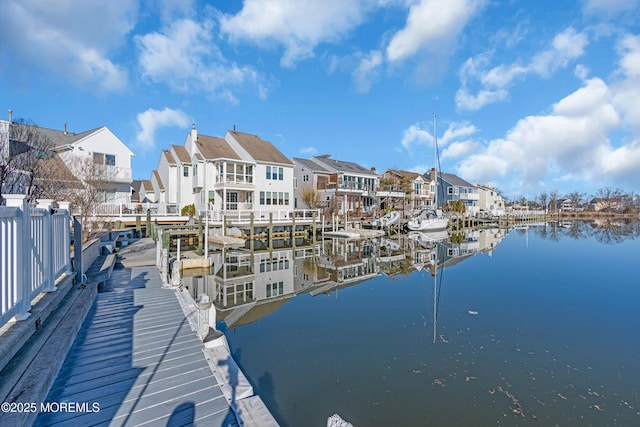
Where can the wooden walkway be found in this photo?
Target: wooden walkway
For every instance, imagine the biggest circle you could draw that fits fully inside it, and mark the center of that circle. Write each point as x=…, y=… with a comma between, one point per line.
x=137, y=360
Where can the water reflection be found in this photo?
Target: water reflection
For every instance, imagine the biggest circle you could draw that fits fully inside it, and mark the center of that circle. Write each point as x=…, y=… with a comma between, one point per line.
x=604, y=230
x=248, y=285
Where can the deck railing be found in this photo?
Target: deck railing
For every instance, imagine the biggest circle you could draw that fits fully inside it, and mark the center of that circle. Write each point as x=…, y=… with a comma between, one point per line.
x=34, y=253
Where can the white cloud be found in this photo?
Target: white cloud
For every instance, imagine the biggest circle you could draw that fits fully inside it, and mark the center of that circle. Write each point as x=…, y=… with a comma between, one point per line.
x=572, y=141
x=309, y=151
x=458, y=149
x=566, y=47
x=151, y=120
x=609, y=8
x=299, y=26
x=415, y=136
x=184, y=57
x=431, y=25
x=366, y=70
x=43, y=37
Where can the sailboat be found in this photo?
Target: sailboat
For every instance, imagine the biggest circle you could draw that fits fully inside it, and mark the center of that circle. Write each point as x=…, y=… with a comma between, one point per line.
x=431, y=219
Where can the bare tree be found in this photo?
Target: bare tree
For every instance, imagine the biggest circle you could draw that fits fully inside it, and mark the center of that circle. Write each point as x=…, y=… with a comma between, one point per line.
x=576, y=198
x=22, y=146
x=543, y=199
x=609, y=198
x=311, y=197
x=553, y=199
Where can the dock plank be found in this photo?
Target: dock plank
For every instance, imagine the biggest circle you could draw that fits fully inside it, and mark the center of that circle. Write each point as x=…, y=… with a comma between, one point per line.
x=137, y=357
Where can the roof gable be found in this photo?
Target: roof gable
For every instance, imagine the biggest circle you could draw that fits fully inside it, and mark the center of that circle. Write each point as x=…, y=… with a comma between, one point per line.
x=259, y=149
x=342, y=166
x=182, y=153
x=215, y=148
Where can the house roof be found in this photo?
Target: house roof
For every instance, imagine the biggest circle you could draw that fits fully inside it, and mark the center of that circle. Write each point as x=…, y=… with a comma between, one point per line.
x=158, y=180
x=147, y=185
x=451, y=179
x=54, y=138
x=342, y=166
x=215, y=148
x=182, y=153
x=311, y=165
x=412, y=176
x=259, y=149
x=169, y=157
x=55, y=172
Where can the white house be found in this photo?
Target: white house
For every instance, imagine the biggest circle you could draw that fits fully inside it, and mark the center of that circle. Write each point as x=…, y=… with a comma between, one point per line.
x=352, y=186
x=238, y=173
x=110, y=157
x=489, y=200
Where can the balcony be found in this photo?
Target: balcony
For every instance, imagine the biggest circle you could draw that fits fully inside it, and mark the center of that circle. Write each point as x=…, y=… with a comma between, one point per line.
x=113, y=173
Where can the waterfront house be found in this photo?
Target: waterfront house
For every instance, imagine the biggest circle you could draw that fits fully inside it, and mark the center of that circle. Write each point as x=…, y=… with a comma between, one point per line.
x=489, y=200
x=410, y=189
x=95, y=155
x=238, y=174
x=452, y=188
x=346, y=187
x=310, y=184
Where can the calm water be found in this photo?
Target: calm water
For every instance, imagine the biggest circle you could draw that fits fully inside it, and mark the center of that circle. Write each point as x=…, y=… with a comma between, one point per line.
x=536, y=326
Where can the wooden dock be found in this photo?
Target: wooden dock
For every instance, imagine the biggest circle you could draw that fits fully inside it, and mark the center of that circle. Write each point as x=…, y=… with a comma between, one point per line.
x=137, y=361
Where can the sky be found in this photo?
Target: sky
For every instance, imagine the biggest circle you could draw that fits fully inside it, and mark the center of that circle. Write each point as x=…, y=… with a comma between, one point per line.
x=529, y=96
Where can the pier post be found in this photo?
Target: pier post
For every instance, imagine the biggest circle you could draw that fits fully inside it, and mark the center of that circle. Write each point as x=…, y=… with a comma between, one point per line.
x=251, y=231
x=270, y=236
x=148, y=229
x=200, y=235
x=313, y=227
x=138, y=226
x=293, y=230
x=224, y=225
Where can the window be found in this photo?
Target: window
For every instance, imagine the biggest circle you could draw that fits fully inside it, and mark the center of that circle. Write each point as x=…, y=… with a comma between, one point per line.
x=286, y=199
x=268, y=172
x=280, y=198
x=185, y=171
x=268, y=197
x=305, y=178
x=262, y=197
x=281, y=174
x=211, y=196
x=195, y=170
x=104, y=159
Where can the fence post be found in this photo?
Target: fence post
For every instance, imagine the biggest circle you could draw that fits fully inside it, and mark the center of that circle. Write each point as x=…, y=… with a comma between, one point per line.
x=23, y=254
x=47, y=249
x=65, y=207
x=77, y=249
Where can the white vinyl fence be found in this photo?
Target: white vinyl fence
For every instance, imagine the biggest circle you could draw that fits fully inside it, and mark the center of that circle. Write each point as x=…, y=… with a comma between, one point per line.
x=34, y=252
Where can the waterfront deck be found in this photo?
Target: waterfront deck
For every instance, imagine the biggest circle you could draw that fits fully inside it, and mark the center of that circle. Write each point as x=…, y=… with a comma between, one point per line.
x=138, y=359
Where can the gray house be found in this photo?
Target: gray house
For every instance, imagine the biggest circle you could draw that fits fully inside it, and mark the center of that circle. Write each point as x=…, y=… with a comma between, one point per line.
x=452, y=187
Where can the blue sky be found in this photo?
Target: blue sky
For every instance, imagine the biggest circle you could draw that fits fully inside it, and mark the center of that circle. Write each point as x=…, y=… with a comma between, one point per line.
x=530, y=96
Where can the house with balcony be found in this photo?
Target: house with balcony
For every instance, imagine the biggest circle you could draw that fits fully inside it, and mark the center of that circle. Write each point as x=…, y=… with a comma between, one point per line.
x=404, y=191
x=490, y=201
x=238, y=175
x=346, y=187
x=452, y=188
x=90, y=156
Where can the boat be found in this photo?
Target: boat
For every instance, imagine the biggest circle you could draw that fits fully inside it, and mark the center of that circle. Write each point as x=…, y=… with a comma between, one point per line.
x=428, y=238
x=342, y=234
x=430, y=219
x=387, y=220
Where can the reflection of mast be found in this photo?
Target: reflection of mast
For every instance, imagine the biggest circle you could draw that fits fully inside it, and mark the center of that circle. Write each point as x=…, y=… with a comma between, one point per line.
x=435, y=298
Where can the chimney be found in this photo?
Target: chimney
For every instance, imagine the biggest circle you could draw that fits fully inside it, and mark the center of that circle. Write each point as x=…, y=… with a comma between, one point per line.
x=373, y=169
x=234, y=128
x=10, y=116
x=65, y=128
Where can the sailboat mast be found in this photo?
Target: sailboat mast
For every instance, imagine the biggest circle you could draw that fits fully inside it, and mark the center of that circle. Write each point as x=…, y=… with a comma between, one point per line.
x=435, y=163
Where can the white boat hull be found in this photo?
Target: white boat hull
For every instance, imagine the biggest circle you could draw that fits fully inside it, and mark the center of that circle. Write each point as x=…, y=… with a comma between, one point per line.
x=428, y=224
x=387, y=220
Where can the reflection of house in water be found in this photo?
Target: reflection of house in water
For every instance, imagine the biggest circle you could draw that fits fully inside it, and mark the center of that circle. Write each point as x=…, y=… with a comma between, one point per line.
x=246, y=286
x=347, y=262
